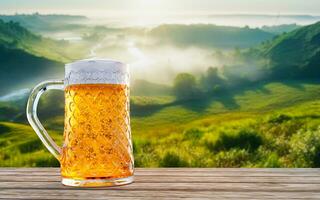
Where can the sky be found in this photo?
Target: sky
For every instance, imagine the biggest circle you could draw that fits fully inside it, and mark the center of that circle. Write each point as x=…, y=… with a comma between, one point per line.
x=154, y=7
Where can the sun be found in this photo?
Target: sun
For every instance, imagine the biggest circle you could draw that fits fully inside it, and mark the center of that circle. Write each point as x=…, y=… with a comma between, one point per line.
x=149, y=6
x=147, y=12
x=150, y=3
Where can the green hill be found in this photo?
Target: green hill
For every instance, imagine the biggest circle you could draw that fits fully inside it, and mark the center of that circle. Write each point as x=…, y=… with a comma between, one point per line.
x=14, y=36
x=27, y=58
x=258, y=98
x=293, y=55
x=20, y=69
x=20, y=146
x=210, y=36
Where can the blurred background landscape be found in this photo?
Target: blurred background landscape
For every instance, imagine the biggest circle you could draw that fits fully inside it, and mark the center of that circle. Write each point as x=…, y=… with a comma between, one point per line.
x=232, y=84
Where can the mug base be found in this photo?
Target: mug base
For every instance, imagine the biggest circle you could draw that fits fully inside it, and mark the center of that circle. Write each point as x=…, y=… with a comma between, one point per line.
x=97, y=182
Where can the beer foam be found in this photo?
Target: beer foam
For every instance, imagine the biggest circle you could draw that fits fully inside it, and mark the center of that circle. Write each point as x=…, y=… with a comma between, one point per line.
x=96, y=71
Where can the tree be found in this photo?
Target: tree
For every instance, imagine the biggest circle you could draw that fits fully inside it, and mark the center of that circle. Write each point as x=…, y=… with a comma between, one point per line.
x=211, y=81
x=185, y=86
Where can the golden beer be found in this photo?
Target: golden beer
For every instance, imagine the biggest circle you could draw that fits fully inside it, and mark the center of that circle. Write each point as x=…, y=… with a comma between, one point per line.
x=97, y=149
x=97, y=132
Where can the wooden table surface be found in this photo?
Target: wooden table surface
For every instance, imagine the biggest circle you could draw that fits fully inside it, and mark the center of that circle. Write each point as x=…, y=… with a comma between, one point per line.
x=173, y=183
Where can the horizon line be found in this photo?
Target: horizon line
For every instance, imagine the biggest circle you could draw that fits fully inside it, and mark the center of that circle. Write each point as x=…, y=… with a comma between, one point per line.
x=134, y=13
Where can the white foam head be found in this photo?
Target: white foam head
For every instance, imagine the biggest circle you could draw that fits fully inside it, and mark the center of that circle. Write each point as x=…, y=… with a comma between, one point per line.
x=96, y=71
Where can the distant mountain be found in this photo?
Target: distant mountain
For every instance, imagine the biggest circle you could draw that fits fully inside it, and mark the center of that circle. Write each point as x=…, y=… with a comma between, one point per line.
x=279, y=29
x=38, y=22
x=26, y=58
x=267, y=17
x=210, y=36
x=14, y=36
x=293, y=55
x=258, y=20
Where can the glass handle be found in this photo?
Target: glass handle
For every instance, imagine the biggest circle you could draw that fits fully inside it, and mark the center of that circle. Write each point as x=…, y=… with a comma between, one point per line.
x=33, y=117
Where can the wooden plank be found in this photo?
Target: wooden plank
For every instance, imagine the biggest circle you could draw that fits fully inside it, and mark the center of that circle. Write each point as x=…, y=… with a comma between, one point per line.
x=179, y=179
x=111, y=194
x=266, y=187
x=173, y=183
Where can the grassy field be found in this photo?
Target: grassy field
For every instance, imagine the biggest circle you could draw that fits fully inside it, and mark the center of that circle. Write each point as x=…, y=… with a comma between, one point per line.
x=268, y=125
x=20, y=146
x=165, y=115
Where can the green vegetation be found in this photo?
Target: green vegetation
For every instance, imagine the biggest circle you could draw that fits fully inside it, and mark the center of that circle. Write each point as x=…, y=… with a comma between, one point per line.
x=20, y=146
x=269, y=125
x=270, y=129
x=185, y=86
x=293, y=55
x=257, y=108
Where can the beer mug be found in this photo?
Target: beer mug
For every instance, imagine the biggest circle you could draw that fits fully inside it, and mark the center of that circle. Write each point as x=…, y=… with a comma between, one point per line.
x=97, y=148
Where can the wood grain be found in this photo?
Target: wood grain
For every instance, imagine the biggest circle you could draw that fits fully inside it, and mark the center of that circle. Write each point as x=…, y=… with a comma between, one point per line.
x=172, y=183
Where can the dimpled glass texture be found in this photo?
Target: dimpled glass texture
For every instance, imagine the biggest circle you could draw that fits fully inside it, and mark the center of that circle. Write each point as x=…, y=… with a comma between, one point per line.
x=97, y=138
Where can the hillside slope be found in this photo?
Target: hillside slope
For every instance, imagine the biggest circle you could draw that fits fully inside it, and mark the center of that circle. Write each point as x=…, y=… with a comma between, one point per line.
x=20, y=146
x=14, y=36
x=20, y=69
x=27, y=58
x=295, y=54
